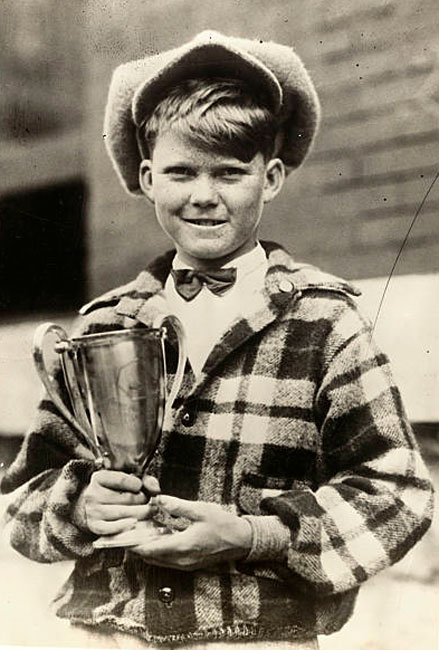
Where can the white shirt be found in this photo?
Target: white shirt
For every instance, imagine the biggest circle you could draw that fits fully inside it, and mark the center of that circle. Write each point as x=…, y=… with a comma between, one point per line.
x=208, y=316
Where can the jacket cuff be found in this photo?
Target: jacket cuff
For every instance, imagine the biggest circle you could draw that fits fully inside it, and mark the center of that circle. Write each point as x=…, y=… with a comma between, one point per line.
x=66, y=501
x=271, y=539
x=79, y=518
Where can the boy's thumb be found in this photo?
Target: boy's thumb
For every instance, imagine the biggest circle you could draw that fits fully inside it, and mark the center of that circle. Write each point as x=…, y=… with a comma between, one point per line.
x=151, y=486
x=181, y=507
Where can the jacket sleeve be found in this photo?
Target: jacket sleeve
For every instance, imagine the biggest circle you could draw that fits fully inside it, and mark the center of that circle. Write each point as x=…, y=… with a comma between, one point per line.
x=374, y=498
x=49, y=473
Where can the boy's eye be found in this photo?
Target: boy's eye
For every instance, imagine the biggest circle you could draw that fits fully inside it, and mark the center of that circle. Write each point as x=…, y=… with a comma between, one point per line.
x=232, y=172
x=180, y=172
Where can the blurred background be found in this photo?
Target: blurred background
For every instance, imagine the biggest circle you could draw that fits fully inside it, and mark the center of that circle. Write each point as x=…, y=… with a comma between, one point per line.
x=364, y=206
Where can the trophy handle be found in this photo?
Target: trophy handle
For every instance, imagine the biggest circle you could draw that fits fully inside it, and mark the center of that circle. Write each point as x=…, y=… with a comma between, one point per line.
x=73, y=389
x=182, y=354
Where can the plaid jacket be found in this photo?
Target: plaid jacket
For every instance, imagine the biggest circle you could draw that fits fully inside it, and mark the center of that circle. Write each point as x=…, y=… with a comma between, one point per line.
x=294, y=423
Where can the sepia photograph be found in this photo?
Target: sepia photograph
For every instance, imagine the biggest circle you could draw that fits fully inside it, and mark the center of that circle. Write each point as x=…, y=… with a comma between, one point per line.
x=219, y=324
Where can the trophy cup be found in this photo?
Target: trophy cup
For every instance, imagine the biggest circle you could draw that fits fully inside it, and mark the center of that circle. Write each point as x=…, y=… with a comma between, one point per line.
x=116, y=382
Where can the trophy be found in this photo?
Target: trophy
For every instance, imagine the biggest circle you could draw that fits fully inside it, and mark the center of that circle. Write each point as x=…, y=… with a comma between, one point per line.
x=117, y=387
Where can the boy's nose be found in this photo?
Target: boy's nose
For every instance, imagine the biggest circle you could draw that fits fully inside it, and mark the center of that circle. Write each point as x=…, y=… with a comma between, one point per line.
x=204, y=192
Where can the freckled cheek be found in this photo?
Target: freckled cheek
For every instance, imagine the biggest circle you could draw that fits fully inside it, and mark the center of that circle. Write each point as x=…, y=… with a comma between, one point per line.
x=249, y=209
x=170, y=201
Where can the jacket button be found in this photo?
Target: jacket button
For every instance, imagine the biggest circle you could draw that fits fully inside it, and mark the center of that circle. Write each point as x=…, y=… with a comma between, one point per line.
x=166, y=595
x=285, y=286
x=188, y=418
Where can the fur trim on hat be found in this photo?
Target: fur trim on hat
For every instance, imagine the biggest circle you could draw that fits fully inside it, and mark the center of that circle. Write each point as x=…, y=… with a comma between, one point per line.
x=136, y=87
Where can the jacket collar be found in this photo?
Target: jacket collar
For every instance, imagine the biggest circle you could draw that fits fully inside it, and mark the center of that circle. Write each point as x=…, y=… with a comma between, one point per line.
x=143, y=299
x=131, y=298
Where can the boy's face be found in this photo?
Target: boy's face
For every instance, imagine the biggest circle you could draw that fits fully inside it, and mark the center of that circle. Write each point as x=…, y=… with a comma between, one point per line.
x=209, y=204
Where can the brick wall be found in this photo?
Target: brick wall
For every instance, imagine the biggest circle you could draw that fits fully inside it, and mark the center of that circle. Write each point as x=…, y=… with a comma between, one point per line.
x=377, y=70
x=376, y=67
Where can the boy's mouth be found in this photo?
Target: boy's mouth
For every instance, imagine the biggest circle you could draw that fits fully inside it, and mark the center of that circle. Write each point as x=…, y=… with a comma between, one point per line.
x=205, y=222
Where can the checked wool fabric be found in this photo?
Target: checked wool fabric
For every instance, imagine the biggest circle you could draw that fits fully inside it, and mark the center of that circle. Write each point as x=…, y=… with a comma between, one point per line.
x=295, y=423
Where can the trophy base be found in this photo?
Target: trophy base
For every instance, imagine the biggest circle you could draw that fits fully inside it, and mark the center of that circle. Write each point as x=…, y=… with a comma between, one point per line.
x=142, y=533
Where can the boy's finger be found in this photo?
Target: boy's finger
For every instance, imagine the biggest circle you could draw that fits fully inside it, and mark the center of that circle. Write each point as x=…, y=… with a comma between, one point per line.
x=144, y=530
x=120, y=497
x=176, y=507
x=163, y=546
x=118, y=480
x=151, y=485
x=115, y=513
x=113, y=527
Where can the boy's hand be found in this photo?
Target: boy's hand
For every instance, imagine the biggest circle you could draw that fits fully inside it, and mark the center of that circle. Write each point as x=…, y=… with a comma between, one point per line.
x=113, y=502
x=213, y=536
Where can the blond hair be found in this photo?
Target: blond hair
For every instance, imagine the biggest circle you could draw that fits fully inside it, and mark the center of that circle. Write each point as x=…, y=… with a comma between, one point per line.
x=219, y=115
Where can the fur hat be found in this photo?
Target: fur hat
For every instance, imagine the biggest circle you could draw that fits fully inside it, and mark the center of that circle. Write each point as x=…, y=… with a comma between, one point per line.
x=137, y=86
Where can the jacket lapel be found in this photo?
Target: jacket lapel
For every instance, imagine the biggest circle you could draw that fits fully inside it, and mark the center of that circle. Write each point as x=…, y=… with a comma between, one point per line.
x=279, y=291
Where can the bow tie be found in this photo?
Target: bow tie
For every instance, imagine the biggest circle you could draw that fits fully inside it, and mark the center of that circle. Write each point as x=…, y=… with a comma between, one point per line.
x=189, y=282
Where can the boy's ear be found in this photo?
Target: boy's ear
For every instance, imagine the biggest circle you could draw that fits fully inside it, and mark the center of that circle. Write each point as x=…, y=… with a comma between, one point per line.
x=145, y=179
x=274, y=179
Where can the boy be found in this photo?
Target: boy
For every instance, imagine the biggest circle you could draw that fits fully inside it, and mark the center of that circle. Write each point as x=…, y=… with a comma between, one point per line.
x=288, y=454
